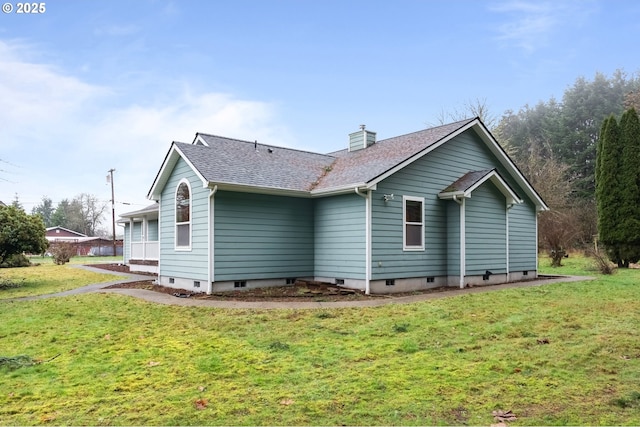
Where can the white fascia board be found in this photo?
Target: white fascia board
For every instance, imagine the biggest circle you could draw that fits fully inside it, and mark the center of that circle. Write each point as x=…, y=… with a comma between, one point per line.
x=451, y=195
x=240, y=188
x=499, y=152
x=422, y=153
x=199, y=139
x=167, y=167
x=493, y=146
x=343, y=189
x=499, y=183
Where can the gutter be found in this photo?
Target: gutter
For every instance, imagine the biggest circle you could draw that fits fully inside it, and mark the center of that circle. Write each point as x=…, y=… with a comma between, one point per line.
x=367, y=243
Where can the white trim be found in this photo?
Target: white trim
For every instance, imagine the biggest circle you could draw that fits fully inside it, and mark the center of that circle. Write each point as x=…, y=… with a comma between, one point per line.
x=167, y=167
x=463, y=242
x=367, y=239
x=405, y=199
x=211, y=237
x=493, y=146
x=175, y=219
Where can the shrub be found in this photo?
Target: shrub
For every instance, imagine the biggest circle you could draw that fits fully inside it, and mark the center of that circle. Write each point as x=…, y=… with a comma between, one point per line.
x=62, y=252
x=602, y=262
x=16, y=260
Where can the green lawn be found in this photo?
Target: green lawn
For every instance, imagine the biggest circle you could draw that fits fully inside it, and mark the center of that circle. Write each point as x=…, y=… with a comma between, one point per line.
x=47, y=279
x=560, y=354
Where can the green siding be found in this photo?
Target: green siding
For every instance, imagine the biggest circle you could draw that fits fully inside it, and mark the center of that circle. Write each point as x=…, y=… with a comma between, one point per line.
x=126, y=243
x=522, y=238
x=136, y=232
x=453, y=238
x=262, y=237
x=340, y=237
x=426, y=177
x=486, y=229
x=152, y=230
x=192, y=264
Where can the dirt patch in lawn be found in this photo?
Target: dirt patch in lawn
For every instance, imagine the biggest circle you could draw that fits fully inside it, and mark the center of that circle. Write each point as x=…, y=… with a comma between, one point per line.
x=300, y=291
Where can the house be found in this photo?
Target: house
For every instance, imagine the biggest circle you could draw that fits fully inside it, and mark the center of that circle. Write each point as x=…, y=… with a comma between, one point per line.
x=85, y=245
x=443, y=206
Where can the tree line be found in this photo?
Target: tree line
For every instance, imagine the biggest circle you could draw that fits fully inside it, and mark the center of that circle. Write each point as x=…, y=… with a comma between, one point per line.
x=555, y=145
x=84, y=214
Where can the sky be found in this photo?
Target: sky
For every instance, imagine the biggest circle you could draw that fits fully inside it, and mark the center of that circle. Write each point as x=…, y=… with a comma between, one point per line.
x=87, y=86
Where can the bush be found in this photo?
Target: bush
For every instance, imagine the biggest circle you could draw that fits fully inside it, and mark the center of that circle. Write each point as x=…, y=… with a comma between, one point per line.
x=16, y=260
x=602, y=262
x=62, y=252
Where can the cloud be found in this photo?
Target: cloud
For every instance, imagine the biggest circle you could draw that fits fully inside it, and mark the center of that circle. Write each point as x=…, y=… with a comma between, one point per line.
x=530, y=25
x=63, y=134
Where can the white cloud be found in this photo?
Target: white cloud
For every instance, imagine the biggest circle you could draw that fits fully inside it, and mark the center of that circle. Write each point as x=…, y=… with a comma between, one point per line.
x=530, y=24
x=64, y=134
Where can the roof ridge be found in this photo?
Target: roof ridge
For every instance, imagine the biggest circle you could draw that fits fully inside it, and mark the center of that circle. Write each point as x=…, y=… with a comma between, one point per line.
x=265, y=145
x=460, y=122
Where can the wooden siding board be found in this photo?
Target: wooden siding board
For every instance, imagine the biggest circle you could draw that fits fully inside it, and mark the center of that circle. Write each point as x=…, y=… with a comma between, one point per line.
x=522, y=238
x=340, y=237
x=192, y=264
x=152, y=230
x=126, y=244
x=426, y=178
x=262, y=237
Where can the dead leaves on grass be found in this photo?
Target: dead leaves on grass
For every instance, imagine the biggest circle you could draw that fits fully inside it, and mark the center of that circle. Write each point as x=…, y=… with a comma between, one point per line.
x=501, y=417
x=201, y=404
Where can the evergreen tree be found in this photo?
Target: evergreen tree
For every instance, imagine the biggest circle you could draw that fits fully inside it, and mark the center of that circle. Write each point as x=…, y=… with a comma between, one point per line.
x=630, y=185
x=608, y=193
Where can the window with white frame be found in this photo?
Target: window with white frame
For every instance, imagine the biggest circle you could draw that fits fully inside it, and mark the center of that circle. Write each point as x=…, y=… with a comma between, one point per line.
x=413, y=231
x=183, y=215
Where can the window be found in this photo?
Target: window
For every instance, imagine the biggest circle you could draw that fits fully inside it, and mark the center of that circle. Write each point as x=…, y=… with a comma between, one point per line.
x=183, y=215
x=413, y=214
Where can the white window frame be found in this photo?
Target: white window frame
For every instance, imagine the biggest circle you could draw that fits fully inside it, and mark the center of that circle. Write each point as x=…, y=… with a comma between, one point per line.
x=175, y=219
x=406, y=247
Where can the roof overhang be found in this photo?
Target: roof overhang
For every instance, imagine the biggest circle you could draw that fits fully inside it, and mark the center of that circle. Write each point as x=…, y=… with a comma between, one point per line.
x=164, y=173
x=493, y=146
x=494, y=177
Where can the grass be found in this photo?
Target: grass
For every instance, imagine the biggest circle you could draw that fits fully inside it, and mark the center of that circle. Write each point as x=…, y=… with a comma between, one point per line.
x=47, y=260
x=46, y=279
x=560, y=354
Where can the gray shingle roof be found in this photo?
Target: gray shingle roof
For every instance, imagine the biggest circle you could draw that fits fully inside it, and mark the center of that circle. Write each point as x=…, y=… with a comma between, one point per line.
x=233, y=161
x=467, y=181
x=365, y=165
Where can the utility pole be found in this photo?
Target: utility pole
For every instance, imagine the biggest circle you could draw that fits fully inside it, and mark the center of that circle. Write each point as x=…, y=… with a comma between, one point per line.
x=113, y=210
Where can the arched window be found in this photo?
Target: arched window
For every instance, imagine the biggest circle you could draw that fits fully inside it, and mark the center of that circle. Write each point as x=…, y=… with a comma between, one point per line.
x=183, y=215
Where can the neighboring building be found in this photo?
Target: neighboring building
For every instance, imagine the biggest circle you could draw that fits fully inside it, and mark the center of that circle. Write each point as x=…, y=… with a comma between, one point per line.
x=443, y=206
x=85, y=245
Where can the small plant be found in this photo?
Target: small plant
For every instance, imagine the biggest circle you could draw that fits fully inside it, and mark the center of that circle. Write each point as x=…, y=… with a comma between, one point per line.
x=9, y=284
x=633, y=400
x=62, y=252
x=325, y=315
x=400, y=328
x=278, y=346
x=15, y=362
x=603, y=264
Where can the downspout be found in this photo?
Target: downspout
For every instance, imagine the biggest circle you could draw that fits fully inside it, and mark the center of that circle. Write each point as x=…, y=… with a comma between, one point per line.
x=367, y=240
x=210, y=230
x=509, y=206
x=463, y=239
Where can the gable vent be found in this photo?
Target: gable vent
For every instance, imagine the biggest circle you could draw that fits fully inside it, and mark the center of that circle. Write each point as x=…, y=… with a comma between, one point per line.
x=361, y=139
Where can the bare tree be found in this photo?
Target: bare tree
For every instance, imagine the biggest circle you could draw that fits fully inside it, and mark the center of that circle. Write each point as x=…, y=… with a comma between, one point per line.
x=469, y=109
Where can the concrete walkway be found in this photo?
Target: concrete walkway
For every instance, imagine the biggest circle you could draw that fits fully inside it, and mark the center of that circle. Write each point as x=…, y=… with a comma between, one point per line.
x=167, y=299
